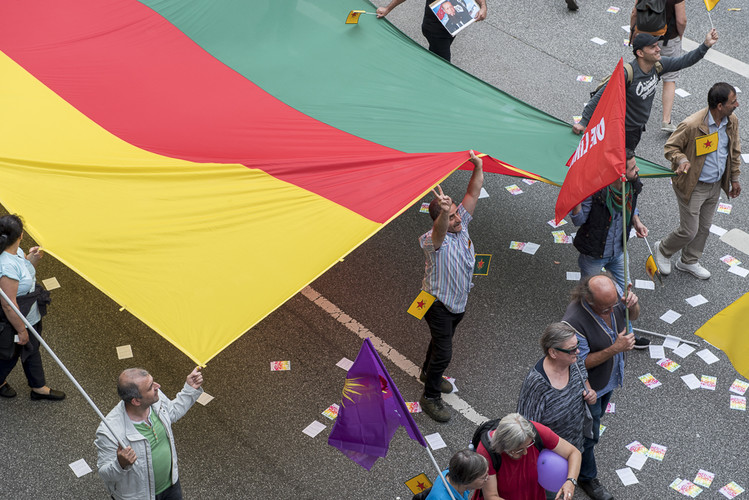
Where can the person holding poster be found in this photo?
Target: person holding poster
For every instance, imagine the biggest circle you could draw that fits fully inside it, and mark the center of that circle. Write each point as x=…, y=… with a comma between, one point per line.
x=705, y=153
x=437, y=30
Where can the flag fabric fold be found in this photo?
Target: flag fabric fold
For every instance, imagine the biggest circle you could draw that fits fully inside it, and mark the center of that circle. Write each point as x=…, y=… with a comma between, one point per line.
x=371, y=411
x=600, y=156
x=727, y=331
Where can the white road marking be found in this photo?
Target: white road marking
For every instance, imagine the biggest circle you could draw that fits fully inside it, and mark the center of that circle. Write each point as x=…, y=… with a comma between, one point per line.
x=460, y=405
x=722, y=60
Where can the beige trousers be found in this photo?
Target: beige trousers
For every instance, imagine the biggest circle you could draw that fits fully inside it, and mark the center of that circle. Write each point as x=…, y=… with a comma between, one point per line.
x=695, y=218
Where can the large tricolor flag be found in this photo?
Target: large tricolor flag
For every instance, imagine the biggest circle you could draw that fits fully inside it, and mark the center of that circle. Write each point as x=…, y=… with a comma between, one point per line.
x=600, y=157
x=201, y=162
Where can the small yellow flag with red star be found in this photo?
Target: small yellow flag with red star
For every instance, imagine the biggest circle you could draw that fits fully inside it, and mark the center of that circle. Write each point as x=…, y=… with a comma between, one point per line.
x=419, y=483
x=421, y=304
x=353, y=16
x=706, y=144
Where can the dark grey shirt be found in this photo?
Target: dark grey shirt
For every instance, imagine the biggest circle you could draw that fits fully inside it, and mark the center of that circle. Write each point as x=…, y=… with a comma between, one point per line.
x=641, y=91
x=561, y=410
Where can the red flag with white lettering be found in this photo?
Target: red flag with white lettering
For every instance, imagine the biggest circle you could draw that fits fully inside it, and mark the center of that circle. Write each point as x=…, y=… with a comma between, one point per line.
x=600, y=158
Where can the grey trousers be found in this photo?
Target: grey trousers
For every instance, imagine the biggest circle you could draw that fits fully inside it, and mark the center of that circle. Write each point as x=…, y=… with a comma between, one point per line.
x=695, y=218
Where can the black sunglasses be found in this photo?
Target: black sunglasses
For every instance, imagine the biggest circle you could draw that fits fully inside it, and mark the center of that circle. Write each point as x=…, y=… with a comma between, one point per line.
x=569, y=351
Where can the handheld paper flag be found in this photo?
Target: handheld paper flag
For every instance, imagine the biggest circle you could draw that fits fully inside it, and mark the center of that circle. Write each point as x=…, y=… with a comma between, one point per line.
x=706, y=144
x=421, y=304
x=481, y=266
x=353, y=16
x=371, y=411
x=710, y=4
x=652, y=269
x=599, y=158
x=419, y=483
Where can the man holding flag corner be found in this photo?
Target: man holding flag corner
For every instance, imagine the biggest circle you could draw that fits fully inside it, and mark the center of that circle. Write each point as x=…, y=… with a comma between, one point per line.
x=450, y=256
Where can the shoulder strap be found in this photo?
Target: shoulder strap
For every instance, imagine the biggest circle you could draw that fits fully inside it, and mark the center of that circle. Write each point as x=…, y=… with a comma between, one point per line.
x=629, y=72
x=658, y=68
x=496, y=458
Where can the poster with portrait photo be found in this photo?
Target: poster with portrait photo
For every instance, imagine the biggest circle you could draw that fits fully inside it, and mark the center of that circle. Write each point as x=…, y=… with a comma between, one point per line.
x=455, y=15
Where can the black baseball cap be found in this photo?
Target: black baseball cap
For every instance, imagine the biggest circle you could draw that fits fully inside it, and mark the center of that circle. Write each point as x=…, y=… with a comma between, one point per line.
x=643, y=40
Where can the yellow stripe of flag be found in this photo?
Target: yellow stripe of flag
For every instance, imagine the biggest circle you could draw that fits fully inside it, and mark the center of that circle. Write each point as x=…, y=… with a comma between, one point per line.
x=198, y=252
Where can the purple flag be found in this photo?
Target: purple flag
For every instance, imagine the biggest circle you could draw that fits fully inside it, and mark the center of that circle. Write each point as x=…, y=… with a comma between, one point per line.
x=371, y=411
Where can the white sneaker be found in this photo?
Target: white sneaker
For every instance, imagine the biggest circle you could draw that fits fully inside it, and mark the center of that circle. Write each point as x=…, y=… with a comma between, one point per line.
x=668, y=127
x=695, y=269
x=664, y=264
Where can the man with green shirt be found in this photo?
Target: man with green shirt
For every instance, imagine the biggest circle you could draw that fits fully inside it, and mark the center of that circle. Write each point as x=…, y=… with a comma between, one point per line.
x=147, y=467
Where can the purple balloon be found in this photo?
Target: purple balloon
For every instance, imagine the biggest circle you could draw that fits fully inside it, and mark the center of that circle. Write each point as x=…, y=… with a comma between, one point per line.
x=552, y=470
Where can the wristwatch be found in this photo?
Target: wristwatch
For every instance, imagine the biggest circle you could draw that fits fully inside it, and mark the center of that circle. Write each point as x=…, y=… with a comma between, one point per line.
x=573, y=481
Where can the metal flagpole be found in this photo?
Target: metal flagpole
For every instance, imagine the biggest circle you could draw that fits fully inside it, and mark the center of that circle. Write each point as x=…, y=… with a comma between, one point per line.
x=30, y=328
x=624, y=246
x=665, y=336
x=447, y=486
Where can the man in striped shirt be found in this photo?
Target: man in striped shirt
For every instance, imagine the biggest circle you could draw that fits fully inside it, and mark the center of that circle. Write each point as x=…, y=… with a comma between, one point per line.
x=450, y=257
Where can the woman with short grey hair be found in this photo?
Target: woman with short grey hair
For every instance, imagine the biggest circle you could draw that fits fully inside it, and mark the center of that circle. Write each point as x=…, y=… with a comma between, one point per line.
x=518, y=443
x=556, y=388
x=467, y=471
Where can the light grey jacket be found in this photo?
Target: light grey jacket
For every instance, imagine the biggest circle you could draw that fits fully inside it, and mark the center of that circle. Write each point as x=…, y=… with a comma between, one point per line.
x=136, y=481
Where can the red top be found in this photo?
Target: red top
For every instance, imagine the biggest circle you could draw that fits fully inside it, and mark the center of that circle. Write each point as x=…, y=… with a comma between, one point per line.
x=518, y=478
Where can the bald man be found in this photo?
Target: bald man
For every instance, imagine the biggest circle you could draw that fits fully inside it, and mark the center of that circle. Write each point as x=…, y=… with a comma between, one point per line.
x=597, y=313
x=147, y=467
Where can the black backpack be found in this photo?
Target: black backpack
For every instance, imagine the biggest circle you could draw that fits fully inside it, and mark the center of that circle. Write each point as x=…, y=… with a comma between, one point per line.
x=481, y=435
x=651, y=17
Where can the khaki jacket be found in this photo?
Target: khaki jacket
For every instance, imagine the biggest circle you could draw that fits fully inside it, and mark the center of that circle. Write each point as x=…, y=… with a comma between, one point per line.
x=681, y=146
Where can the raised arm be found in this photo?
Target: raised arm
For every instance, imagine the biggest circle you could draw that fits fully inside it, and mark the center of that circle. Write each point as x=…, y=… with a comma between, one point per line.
x=474, y=185
x=482, y=10
x=439, y=228
x=384, y=11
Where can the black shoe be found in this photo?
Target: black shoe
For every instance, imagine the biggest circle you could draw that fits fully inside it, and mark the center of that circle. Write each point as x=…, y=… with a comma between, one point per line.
x=445, y=386
x=7, y=391
x=595, y=490
x=53, y=395
x=642, y=343
x=435, y=408
x=572, y=5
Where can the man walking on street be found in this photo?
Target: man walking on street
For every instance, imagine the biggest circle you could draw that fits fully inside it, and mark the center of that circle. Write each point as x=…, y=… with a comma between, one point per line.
x=450, y=256
x=705, y=154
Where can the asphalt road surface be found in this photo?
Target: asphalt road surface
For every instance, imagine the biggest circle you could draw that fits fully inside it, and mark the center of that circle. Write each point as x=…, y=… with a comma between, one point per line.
x=248, y=442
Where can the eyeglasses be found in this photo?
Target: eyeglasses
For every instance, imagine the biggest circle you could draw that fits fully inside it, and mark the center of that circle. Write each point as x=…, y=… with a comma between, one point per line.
x=568, y=351
x=520, y=452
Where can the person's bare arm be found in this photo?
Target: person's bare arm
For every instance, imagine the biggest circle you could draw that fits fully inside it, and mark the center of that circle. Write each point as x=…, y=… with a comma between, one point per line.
x=474, y=184
x=384, y=11
x=680, y=11
x=624, y=342
x=439, y=228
